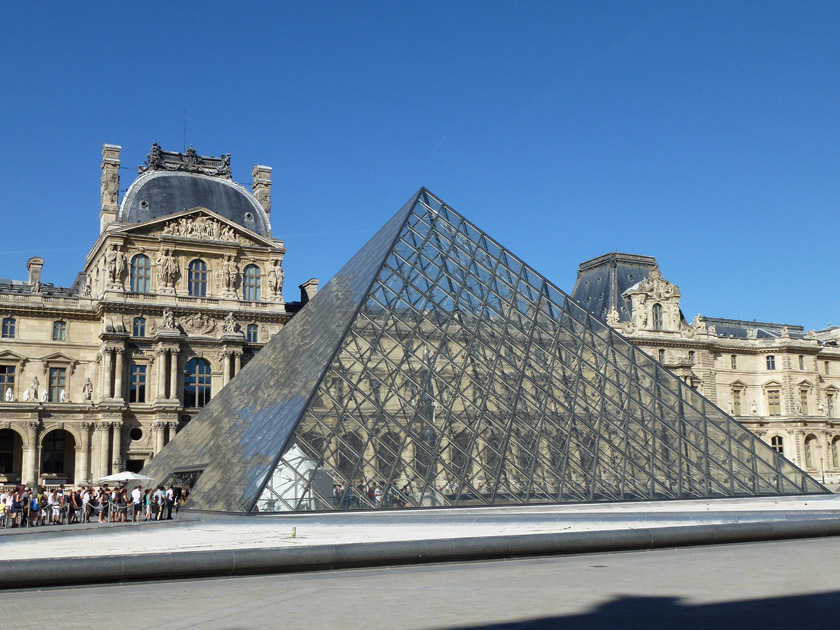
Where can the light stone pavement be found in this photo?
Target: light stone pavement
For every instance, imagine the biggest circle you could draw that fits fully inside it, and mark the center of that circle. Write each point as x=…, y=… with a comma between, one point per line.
x=786, y=584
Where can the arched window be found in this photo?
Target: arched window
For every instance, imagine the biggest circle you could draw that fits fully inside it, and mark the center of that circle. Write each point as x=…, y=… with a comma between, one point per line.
x=197, y=278
x=778, y=444
x=8, y=328
x=196, y=383
x=140, y=273
x=59, y=331
x=138, y=328
x=251, y=283
x=835, y=452
x=810, y=451
x=54, y=452
x=657, y=317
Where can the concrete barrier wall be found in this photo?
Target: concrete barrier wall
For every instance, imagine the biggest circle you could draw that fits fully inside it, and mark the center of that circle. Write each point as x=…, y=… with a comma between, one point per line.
x=156, y=566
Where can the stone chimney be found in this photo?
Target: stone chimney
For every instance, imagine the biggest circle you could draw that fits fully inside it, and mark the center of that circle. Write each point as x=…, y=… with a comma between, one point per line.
x=34, y=266
x=110, y=190
x=262, y=187
x=308, y=290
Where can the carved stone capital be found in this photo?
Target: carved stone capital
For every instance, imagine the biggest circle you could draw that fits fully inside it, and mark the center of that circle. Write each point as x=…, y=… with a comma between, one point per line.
x=33, y=426
x=172, y=425
x=103, y=426
x=159, y=426
x=87, y=426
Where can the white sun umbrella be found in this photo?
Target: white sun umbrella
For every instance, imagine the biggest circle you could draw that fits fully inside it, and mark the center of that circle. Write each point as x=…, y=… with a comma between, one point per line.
x=124, y=477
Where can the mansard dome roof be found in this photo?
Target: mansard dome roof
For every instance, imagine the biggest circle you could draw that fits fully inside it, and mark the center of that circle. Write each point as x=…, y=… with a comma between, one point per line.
x=174, y=182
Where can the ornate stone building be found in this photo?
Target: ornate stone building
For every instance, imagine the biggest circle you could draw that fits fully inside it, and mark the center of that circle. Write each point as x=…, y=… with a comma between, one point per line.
x=181, y=288
x=778, y=380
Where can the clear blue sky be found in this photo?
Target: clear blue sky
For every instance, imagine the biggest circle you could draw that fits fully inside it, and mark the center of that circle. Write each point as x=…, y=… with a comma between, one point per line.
x=706, y=134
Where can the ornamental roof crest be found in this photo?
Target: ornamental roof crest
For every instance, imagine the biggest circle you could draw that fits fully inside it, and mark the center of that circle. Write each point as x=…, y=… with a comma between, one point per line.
x=189, y=162
x=657, y=286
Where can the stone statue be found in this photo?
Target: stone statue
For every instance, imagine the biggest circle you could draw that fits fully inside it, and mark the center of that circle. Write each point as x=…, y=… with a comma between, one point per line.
x=751, y=333
x=169, y=320
x=110, y=185
x=33, y=389
x=62, y=396
x=115, y=263
x=167, y=268
x=754, y=408
x=275, y=277
x=797, y=407
x=26, y=394
x=86, y=288
x=87, y=390
x=230, y=325
x=731, y=407
x=612, y=317
x=44, y=396
x=697, y=323
x=821, y=409
x=230, y=273
x=9, y=395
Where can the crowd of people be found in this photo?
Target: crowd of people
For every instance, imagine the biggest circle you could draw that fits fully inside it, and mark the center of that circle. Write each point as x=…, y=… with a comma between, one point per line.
x=27, y=507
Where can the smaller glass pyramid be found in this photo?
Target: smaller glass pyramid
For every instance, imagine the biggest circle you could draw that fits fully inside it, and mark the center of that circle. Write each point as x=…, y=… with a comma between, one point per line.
x=437, y=369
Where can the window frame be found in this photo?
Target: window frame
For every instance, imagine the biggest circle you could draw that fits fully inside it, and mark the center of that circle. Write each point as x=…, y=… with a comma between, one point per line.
x=770, y=361
x=138, y=383
x=777, y=443
x=657, y=317
x=774, y=401
x=198, y=383
x=251, y=283
x=197, y=278
x=59, y=332
x=9, y=328
x=138, y=324
x=54, y=388
x=252, y=333
x=140, y=275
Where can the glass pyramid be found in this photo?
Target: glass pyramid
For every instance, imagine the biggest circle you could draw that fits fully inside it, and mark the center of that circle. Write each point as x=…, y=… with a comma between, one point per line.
x=437, y=369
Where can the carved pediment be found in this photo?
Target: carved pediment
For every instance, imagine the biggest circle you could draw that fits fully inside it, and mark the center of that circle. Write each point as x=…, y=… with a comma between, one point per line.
x=59, y=358
x=199, y=224
x=656, y=286
x=7, y=356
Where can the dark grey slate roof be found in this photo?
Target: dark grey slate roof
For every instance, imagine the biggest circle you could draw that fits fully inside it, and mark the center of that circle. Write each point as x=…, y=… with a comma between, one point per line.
x=601, y=282
x=739, y=329
x=159, y=193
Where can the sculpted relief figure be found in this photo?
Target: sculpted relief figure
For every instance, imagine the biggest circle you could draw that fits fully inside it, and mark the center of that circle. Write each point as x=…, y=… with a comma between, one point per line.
x=230, y=273
x=612, y=317
x=115, y=264
x=110, y=185
x=169, y=320
x=167, y=268
x=201, y=227
x=275, y=277
x=230, y=325
x=33, y=389
x=9, y=395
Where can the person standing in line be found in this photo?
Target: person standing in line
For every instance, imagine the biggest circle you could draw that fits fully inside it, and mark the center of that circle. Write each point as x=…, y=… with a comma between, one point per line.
x=170, y=501
x=135, y=504
x=159, y=500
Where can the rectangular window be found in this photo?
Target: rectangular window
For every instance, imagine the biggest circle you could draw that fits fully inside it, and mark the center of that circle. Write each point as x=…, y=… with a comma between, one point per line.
x=59, y=331
x=827, y=368
x=733, y=362
x=774, y=404
x=8, y=328
x=691, y=356
x=803, y=401
x=7, y=381
x=251, y=333
x=58, y=378
x=137, y=384
x=139, y=328
x=777, y=444
x=662, y=356
x=801, y=363
x=771, y=362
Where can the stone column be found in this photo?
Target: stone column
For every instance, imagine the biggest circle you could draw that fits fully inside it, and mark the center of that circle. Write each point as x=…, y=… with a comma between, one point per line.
x=118, y=371
x=226, y=372
x=161, y=373
x=116, y=446
x=83, y=463
x=173, y=427
x=158, y=428
x=31, y=459
x=110, y=188
x=103, y=429
x=108, y=391
x=237, y=362
x=173, y=374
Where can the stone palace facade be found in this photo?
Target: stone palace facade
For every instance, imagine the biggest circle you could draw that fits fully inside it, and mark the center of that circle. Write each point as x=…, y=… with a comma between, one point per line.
x=780, y=381
x=181, y=288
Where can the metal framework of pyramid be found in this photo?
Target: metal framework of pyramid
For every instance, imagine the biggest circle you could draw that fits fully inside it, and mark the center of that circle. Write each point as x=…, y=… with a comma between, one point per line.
x=437, y=369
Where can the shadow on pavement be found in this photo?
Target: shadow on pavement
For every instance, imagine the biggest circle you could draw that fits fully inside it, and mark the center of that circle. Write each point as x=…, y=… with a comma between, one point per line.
x=637, y=613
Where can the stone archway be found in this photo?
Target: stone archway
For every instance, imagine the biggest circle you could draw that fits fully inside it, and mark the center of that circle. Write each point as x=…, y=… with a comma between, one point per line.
x=58, y=456
x=11, y=457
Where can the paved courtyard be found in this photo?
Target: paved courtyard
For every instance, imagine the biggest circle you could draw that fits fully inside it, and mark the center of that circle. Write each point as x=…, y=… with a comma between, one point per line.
x=787, y=584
